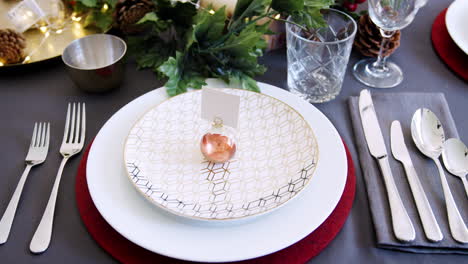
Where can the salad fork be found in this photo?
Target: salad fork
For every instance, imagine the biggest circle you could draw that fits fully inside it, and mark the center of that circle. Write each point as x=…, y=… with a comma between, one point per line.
x=36, y=155
x=72, y=144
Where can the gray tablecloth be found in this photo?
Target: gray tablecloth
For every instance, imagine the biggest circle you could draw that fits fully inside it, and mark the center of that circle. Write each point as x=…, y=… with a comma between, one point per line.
x=40, y=92
x=401, y=106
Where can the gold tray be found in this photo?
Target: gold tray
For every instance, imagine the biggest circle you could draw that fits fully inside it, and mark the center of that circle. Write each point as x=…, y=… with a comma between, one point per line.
x=54, y=45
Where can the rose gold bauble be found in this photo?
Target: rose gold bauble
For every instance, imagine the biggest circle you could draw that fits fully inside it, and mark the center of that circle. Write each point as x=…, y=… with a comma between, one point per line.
x=217, y=148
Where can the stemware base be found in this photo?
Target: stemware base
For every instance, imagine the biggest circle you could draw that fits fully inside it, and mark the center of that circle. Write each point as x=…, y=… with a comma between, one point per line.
x=386, y=77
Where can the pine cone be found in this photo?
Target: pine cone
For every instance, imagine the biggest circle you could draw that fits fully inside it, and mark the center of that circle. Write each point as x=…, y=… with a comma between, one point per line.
x=129, y=12
x=12, y=46
x=368, y=39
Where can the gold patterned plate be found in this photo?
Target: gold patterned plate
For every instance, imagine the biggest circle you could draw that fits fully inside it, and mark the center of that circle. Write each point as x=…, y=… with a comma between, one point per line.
x=276, y=157
x=56, y=41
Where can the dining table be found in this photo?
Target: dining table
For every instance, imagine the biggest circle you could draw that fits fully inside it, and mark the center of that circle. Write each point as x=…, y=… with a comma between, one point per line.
x=41, y=92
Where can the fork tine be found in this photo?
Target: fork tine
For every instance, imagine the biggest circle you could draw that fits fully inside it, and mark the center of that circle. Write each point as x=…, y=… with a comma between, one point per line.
x=44, y=132
x=83, y=124
x=38, y=135
x=46, y=144
x=72, y=129
x=78, y=122
x=33, y=139
x=67, y=125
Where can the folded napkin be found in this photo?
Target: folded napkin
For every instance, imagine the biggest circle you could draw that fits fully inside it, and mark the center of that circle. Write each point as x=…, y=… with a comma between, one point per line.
x=401, y=106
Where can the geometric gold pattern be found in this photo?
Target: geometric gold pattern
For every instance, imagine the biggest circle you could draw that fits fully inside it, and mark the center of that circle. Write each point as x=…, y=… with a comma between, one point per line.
x=276, y=156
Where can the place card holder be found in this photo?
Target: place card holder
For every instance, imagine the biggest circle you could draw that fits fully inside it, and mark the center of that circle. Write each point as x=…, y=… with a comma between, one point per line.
x=219, y=143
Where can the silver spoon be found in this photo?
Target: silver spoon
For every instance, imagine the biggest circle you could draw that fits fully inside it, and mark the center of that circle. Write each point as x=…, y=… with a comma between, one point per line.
x=428, y=135
x=455, y=157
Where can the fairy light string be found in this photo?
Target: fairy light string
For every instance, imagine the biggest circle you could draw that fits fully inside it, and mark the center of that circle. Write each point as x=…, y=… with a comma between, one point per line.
x=57, y=28
x=51, y=25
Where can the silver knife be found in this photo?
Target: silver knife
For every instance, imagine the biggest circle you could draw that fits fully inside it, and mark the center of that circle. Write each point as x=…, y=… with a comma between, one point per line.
x=402, y=226
x=400, y=152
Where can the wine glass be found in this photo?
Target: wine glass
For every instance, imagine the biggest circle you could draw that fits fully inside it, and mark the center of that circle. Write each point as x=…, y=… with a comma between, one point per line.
x=389, y=16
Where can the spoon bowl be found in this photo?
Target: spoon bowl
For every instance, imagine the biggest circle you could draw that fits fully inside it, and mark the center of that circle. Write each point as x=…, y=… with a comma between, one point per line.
x=427, y=132
x=455, y=157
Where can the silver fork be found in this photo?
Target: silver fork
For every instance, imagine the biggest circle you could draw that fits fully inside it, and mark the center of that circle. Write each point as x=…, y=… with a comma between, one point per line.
x=36, y=155
x=73, y=141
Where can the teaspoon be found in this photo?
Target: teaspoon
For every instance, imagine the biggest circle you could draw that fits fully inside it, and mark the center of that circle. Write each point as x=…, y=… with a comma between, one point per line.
x=455, y=157
x=428, y=135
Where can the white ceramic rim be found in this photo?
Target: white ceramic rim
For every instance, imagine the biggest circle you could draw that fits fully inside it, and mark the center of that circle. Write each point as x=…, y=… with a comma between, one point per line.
x=142, y=223
x=453, y=22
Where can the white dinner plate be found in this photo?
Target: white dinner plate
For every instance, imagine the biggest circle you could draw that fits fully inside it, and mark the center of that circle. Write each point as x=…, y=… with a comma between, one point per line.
x=276, y=156
x=456, y=21
x=148, y=226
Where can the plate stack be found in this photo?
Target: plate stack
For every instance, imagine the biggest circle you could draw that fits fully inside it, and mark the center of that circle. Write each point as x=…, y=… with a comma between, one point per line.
x=149, y=181
x=456, y=21
x=450, y=37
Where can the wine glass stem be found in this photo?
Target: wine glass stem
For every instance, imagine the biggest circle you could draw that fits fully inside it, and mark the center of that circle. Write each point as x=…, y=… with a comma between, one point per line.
x=381, y=63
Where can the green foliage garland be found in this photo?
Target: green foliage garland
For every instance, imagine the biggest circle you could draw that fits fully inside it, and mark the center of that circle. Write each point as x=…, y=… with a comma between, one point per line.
x=188, y=45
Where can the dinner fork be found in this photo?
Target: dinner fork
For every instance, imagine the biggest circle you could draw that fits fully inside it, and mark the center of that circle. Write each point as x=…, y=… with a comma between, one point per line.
x=72, y=144
x=36, y=155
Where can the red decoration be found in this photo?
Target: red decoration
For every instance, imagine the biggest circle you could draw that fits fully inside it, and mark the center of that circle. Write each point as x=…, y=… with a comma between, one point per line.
x=217, y=148
x=350, y=6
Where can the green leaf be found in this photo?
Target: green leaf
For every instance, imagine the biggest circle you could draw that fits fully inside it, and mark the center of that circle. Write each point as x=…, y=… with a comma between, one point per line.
x=181, y=14
x=150, y=52
x=195, y=81
x=150, y=60
x=149, y=17
x=112, y=3
x=209, y=27
x=287, y=6
x=103, y=20
x=319, y=3
x=249, y=84
x=311, y=16
x=171, y=69
x=180, y=75
x=242, y=44
x=248, y=9
x=89, y=3
x=244, y=81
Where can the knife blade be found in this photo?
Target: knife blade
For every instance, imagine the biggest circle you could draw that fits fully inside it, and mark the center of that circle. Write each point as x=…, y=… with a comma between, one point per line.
x=402, y=226
x=400, y=152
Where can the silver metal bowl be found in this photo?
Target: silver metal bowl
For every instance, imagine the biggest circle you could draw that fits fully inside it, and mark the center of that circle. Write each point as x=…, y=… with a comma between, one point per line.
x=95, y=62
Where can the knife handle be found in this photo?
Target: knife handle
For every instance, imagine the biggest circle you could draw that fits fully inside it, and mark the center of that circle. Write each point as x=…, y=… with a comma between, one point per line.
x=429, y=222
x=402, y=226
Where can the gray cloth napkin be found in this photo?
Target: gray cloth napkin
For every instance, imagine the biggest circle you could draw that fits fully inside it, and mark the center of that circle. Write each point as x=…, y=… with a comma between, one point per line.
x=401, y=106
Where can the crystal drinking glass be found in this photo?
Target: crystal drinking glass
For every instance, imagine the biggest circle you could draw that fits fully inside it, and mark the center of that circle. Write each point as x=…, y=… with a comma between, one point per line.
x=389, y=16
x=317, y=59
